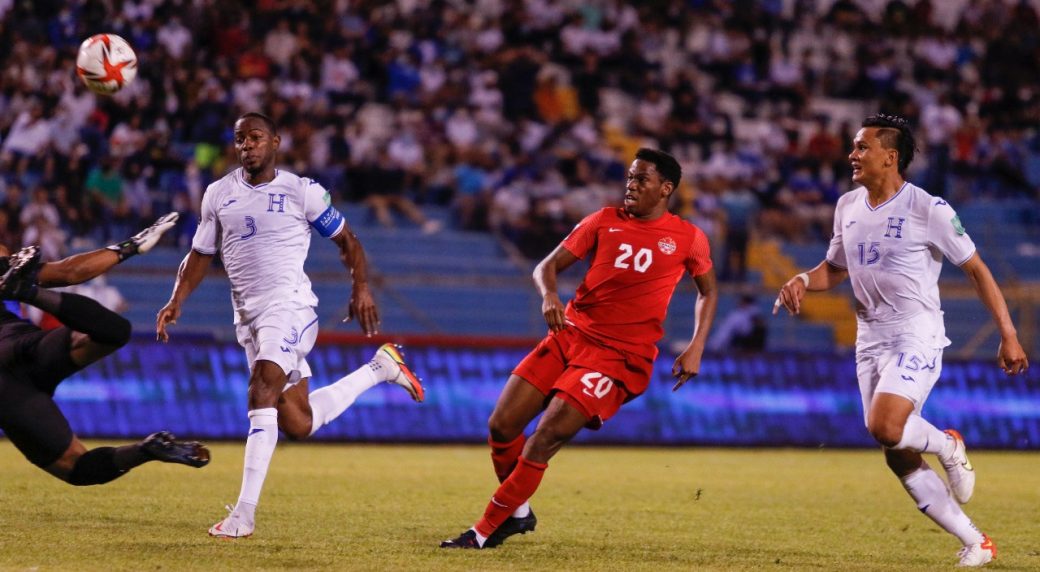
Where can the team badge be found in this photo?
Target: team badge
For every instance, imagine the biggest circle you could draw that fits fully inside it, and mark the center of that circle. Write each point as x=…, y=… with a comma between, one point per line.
x=666, y=245
x=957, y=226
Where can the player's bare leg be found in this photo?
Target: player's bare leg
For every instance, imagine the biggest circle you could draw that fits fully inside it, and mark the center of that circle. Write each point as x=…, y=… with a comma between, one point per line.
x=517, y=405
x=294, y=411
x=302, y=412
x=560, y=423
x=894, y=424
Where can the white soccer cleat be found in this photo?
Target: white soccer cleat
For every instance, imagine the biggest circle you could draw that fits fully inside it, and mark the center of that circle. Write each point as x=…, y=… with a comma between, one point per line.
x=398, y=372
x=975, y=555
x=959, y=471
x=149, y=237
x=234, y=526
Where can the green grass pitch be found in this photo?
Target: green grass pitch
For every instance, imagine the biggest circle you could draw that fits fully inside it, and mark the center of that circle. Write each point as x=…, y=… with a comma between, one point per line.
x=367, y=507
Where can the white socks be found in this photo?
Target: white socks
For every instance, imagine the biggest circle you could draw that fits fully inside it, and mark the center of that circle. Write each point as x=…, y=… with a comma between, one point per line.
x=330, y=401
x=922, y=437
x=260, y=443
x=480, y=539
x=522, y=510
x=933, y=499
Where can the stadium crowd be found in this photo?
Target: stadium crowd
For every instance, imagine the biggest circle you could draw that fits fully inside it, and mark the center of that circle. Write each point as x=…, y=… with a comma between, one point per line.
x=519, y=114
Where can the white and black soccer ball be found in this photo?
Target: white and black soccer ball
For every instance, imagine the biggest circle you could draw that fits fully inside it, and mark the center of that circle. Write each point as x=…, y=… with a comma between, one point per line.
x=106, y=63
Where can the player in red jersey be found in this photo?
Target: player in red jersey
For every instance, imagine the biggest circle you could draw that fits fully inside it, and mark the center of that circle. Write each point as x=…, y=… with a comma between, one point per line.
x=600, y=350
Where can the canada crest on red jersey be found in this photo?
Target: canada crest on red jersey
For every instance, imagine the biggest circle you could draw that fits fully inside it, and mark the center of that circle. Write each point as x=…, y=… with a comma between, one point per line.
x=667, y=245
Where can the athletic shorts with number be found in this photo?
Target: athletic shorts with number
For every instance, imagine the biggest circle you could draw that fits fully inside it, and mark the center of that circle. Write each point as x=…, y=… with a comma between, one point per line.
x=32, y=364
x=282, y=333
x=899, y=361
x=585, y=373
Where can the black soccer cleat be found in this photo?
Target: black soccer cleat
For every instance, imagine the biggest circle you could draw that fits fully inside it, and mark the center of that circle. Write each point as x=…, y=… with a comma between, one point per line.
x=162, y=446
x=19, y=281
x=467, y=539
x=511, y=526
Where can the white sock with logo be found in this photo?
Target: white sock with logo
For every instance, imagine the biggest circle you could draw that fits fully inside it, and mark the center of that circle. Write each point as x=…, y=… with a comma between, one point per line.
x=332, y=400
x=929, y=491
x=260, y=444
x=921, y=436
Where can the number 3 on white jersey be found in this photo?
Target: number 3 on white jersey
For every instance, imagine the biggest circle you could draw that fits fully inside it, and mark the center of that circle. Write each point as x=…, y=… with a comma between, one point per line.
x=251, y=226
x=640, y=262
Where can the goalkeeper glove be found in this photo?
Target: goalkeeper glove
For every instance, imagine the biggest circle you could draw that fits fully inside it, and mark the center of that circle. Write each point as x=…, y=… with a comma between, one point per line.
x=143, y=241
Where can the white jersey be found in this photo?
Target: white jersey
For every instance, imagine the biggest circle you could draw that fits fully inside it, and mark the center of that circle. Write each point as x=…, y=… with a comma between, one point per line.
x=263, y=234
x=893, y=253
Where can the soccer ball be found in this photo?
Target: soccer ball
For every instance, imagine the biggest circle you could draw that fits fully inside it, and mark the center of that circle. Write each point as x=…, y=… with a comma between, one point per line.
x=106, y=63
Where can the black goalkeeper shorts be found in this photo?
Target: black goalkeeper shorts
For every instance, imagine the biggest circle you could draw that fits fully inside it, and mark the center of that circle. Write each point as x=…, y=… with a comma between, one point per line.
x=32, y=364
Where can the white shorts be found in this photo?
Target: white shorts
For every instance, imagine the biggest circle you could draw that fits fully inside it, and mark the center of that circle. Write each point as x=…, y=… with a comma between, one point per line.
x=283, y=334
x=904, y=365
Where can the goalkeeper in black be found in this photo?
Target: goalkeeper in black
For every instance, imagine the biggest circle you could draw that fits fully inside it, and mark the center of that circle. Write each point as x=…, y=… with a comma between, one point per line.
x=33, y=362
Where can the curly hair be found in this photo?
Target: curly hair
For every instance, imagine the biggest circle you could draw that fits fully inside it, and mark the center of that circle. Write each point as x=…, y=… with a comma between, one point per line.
x=894, y=133
x=667, y=167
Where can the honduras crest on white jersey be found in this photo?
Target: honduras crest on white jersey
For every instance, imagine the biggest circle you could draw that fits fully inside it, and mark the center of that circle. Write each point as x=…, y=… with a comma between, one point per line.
x=893, y=253
x=263, y=233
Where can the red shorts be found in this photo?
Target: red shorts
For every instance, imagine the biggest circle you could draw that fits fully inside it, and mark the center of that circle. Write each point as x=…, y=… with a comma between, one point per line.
x=585, y=373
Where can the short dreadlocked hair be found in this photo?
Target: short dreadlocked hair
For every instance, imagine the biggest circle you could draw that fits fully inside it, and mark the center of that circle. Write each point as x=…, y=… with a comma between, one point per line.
x=894, y=133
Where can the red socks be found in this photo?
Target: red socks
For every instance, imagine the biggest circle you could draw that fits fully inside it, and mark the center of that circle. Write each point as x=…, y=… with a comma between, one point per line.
x=513, y=492
x=504, y=455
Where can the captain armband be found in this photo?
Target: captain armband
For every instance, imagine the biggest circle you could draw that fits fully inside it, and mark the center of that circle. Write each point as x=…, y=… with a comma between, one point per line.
x=329, y=222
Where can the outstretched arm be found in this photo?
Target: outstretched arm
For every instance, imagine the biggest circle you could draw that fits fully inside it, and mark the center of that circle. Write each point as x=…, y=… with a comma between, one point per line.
x=824, y=277
x=362, y=304
x=79, y=268
x=688, y=364
x=191, y=271
x=545, y=281
x=1010, y=355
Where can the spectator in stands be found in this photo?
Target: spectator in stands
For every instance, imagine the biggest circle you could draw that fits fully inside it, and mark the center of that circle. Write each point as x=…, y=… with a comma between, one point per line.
x=42, y=226
x=343, y=69
x=7, y=236
x=387, y=194
x=471, y=196
x=137, y=194
x=106, y=198
x=941, y=121
x=24, y=149
x=12, y=209
x=742, y=329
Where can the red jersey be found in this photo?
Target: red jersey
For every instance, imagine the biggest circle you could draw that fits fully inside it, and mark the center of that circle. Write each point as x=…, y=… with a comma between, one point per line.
x=633, y=272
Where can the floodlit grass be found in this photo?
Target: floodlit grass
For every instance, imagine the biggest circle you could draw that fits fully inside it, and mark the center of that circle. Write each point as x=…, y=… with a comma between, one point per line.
x=359, y=507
